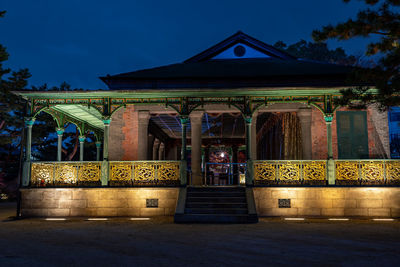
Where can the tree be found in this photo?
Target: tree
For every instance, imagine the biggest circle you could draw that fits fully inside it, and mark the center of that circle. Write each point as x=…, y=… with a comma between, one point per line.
x=317, y=51
x=381, y=19
x=11, y=118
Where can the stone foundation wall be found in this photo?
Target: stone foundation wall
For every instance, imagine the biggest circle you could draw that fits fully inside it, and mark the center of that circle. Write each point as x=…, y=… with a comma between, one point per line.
x=100, y=202
x=329, y=202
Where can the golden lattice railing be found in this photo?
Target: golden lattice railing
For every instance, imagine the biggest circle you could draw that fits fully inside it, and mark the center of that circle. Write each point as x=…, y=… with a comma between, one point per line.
x=367, y=172
x=309, y=172
x=145, y=172
x=120, y=173
x=65, y=174
x=289, y=172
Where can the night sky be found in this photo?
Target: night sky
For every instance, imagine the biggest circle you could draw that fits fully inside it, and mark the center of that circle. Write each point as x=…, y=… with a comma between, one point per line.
x=79, y=40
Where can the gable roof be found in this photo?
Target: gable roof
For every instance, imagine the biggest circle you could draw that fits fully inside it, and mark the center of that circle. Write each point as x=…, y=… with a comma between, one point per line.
x=204, y=70
x=243, y=38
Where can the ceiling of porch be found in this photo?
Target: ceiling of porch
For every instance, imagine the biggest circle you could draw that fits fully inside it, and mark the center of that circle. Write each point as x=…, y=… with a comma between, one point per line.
x=82, y=113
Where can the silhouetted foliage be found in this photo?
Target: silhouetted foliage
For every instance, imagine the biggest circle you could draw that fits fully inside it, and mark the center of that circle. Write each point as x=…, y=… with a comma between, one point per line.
x=380, y=18
x=317, y=52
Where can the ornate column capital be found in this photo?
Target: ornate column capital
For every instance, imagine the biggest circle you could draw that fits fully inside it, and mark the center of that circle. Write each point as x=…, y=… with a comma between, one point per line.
x=29, y=121
x=106, y=121
x=82, y=138
x=328, y=118
x=60, y=131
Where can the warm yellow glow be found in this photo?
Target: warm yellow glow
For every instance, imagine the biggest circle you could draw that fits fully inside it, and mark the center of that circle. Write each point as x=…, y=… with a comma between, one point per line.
x=140, y=219
x=294, y=219
x=97, y=219
x=55, y=219
x=383, y=220
x=338, y=219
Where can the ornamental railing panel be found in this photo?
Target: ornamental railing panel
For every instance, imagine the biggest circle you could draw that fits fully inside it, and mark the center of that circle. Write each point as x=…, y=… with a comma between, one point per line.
x=120, y=173
x=156, y=172
x=64, y=174
x=367, y=172
x=289, y=172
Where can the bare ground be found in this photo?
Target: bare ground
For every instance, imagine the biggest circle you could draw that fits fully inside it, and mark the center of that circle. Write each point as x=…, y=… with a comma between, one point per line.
x=160, y=242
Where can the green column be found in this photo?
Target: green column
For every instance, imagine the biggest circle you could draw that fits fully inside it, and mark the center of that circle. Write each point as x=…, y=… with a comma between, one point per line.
x=106, y=136
x=98, y=146
x=60, y=132
x=184, y=121
x=330, y=162
x=183, y=174
x=104, y=164
x=249, y=170
x=81, y=147
x=26, y=168
x=248, y=137
x=28, y=125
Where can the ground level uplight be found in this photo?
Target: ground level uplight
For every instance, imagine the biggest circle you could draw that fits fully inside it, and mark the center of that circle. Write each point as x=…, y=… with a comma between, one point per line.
x=294, y=219
x=383, y=219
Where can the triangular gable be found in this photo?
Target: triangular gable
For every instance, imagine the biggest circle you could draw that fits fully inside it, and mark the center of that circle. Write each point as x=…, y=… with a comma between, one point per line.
x=249, y=47
x=240, y=50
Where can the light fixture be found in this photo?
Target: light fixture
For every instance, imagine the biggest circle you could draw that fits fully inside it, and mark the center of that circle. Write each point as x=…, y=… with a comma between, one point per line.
x=97, y=219
x=294, y=219
x=222, y=154
x=55, y=219
x=338, y=219
x=383, y=220
x=140, y=219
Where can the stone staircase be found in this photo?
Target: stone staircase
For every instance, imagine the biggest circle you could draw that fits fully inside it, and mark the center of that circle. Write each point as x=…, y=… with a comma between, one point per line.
x=216, y=205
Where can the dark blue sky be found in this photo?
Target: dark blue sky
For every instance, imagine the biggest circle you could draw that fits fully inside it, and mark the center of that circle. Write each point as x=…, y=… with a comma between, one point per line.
x=78, y=40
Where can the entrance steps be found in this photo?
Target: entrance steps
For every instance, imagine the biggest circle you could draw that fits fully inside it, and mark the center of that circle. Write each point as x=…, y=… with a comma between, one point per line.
x=227, y=204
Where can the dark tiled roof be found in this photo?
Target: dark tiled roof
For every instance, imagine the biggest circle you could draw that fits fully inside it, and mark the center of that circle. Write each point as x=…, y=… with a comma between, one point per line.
x=233, y=73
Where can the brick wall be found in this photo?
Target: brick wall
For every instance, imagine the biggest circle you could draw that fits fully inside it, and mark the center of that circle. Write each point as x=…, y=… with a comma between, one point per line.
x=378, y=134
x=86, y=202
x=329, y=202
x=123, y=139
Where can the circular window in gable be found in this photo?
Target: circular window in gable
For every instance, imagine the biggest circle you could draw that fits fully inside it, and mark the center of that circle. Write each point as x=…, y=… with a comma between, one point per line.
x=239, y=51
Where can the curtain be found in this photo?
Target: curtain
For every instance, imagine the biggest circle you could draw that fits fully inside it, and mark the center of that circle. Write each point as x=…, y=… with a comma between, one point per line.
x=279, y=137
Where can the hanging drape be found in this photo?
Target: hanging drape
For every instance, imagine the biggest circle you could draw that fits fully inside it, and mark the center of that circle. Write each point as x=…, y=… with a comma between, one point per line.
x=279, y=137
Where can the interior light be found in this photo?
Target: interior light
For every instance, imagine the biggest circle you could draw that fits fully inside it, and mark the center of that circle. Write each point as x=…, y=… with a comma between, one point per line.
x=140, y=219
x=383, y=220
x=338, y=219
x=222, y=154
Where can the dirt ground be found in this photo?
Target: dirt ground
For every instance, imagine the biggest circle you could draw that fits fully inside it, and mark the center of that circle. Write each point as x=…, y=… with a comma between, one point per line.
x=160, y=242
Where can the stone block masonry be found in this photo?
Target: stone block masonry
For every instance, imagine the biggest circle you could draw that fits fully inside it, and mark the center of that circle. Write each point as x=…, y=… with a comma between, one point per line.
x=97, y=202
x=329, y=202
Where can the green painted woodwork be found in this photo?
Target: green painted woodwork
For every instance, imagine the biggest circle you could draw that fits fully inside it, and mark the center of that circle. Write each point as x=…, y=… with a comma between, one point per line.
x=184, y=122
x=105, y=139
x=82, y=113
x=352, y=132
x=28, y=126
x=60, y=132
x=100, y=95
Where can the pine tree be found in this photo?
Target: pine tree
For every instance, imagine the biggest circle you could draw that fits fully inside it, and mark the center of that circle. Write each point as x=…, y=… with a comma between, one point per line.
x=11, y=119
x=381, y=18
x=317, y=51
